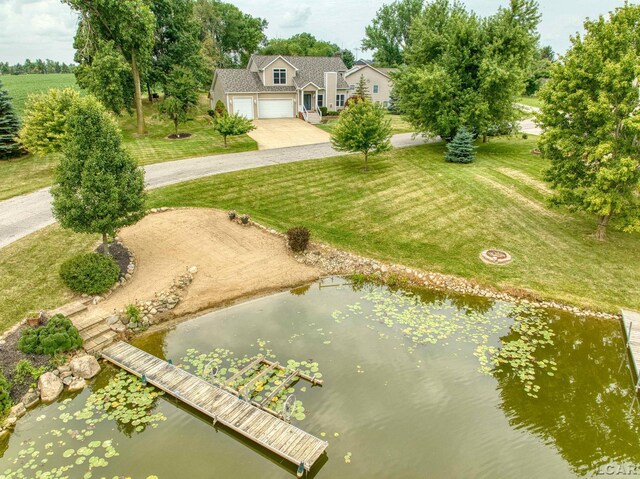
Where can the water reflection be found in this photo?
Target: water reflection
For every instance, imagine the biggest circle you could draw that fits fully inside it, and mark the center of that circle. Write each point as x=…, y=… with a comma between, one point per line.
x=584, y=409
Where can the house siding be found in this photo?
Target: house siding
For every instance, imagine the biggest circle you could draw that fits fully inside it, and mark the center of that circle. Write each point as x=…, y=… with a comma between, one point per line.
x=218, y=93
x=331, y=83
x=279, y=63
x=373, y=78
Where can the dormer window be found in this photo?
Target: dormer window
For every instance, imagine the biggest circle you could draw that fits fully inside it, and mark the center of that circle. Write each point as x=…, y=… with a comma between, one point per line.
x=279, y=76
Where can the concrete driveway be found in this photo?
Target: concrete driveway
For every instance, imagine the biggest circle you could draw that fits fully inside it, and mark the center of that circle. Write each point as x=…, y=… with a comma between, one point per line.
x=283, y=133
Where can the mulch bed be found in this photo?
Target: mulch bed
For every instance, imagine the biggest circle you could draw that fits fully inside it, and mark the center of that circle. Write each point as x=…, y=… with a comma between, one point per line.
x=179, y=136
x=120, y=255
x=10, y=355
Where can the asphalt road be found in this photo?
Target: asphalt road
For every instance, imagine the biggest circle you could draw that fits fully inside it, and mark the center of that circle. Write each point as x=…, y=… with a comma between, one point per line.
x=23, y=215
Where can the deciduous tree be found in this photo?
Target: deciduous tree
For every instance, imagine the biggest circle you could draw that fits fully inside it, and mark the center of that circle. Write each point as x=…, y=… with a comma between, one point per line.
x=388, y=34
x=362, y=128
x=127, y=26
x=466, y=70
x=44, y=128
x=229, y=36
x=232, y=125
x=99, y=188
x=177, y=43
x=305, y=44
x=181, y=95
x=591, y=122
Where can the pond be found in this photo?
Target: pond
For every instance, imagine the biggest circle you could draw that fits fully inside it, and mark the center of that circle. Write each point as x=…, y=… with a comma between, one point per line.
x=415, y=385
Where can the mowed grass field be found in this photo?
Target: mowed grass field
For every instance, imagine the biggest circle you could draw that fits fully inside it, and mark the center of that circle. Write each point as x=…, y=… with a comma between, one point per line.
x=29, y=173
x=21, y=86
x=411, y=208
x=417, y=210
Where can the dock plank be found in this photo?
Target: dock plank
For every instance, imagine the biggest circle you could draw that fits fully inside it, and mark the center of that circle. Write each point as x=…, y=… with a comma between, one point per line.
x=271, y=432
x=631, y=326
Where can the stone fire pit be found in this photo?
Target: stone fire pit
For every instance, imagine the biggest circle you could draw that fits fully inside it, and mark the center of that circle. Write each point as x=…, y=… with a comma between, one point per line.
x=495, y=257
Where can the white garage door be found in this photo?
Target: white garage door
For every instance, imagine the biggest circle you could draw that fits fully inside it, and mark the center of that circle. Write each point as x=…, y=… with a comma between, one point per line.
x=244, y=106
x=275, y=108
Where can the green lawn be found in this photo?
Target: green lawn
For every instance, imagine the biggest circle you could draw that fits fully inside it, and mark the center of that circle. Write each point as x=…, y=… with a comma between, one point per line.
x=20, y=86
x=530, y=101
x=411, y=208
x=29, y=268
x=30, y=173
x=414, y=209
x=398, y=125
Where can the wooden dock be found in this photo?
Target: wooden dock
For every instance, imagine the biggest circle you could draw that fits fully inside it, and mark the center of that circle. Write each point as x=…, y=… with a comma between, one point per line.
x=267, y=430
x=631, y=326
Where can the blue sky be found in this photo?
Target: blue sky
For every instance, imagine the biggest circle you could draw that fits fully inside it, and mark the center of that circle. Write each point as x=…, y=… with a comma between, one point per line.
x=45, y=28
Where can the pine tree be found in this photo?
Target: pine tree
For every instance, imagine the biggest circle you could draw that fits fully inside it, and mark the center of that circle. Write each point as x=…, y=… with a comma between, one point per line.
x=461, y=148
x=362, y=90
x=9, y=126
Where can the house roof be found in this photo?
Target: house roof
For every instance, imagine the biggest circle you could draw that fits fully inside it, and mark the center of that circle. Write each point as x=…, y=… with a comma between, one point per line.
x=238, y=80
x=310, y=69
x=358, y=68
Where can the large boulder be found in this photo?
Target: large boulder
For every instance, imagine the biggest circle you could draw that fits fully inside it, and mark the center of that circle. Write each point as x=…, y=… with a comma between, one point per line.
x=50, y=387
x=84, y=367
x=18, y=410
x=78, y=384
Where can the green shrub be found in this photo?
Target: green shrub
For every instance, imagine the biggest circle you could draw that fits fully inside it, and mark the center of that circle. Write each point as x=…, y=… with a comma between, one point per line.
x=324, y=110
x=5, y=395
x=220, y=109
x=298, y=238
x=90, y=273
x=132, y=312
x=25, y=370
x=331, y=113
x=57, y=336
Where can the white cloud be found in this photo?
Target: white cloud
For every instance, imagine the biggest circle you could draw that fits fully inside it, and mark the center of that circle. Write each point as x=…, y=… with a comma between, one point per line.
x=36, y=29
x=45, y=28
x=296, y=18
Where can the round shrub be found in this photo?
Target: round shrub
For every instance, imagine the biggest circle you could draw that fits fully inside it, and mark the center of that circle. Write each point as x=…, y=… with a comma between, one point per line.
x=90, y=273
x=298, y=238
x=59, y=335
x=5, y=395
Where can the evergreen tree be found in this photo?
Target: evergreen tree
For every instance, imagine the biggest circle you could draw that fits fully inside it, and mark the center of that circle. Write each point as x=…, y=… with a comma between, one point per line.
x=9, y=126
x=362, y=90
x=461, y=148
x=99, y=188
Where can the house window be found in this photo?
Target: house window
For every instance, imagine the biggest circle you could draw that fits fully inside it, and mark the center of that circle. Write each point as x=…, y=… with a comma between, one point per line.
x=279, y=76
x=376, y=88
x=340, y=100
x=320, y=100
x=352, y=87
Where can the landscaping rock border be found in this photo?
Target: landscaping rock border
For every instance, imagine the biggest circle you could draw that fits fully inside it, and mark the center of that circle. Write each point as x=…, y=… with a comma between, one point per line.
x=332, y=261
x=71, y=376
x=155, y=310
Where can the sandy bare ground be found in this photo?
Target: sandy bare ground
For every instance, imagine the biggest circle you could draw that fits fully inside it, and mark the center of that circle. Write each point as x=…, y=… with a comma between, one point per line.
x=233, y=261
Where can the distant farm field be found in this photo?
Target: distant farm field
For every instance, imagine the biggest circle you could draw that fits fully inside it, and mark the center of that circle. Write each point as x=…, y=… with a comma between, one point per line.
x=21, y=86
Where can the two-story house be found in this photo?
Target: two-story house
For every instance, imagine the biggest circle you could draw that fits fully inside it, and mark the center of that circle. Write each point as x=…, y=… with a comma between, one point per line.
x=379, y=82
x=276, y=86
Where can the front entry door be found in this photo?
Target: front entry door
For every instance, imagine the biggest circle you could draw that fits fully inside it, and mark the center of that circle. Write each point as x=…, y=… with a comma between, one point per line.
x=307, y=101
